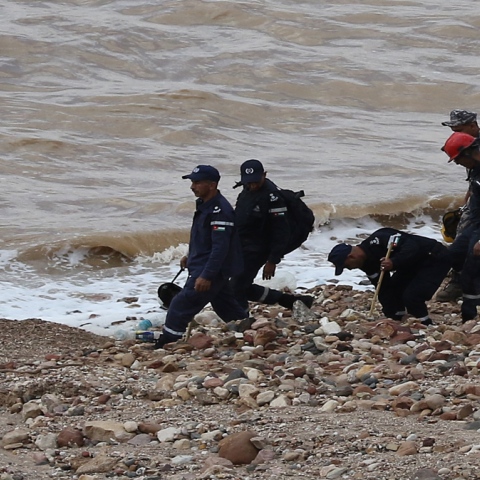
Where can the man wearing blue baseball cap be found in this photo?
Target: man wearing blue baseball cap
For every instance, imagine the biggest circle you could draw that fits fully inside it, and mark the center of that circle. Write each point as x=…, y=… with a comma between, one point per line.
x=214, y=255
x=413, y=266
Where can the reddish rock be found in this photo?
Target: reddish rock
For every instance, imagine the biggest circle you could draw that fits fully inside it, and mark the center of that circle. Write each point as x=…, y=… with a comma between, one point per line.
x=298, y=371
x=151, y=428
x=238, y=448
x=70, y=437
x=403, y=403
x=263, y=336
x=464, y=412
x=213, y=460
x=384, y=329
x=459, y=370
x=402, y=337
x=200, y=341
x=455, y=337
x=170, y=367
x=362, y=389
x=249, y=335
x=103, y=399
x=473, y=339
x=449, y=416
x=53, y=356
x=158, y=363
x=402, y=412
x=472, y=390
x=407, y=448
x=442, y=345
x=213, y=382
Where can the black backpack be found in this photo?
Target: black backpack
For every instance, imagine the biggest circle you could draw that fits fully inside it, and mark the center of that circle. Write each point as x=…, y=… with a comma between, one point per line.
x=300, y=216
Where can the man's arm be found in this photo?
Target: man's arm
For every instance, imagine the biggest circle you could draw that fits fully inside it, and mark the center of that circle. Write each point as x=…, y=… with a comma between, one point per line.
x=279, y=228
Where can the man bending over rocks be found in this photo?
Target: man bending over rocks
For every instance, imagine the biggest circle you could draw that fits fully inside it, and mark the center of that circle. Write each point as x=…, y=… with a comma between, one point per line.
x=414, y=268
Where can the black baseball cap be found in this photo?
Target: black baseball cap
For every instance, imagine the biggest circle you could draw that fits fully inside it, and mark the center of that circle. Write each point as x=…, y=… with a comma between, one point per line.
x=251, y=171
x=338, y=255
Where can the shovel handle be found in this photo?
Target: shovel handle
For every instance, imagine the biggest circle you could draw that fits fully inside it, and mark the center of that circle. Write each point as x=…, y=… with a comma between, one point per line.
x=178, y=273
x=380, y=280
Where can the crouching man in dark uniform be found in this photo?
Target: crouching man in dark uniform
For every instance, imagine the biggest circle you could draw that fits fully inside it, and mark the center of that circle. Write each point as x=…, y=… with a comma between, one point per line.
x=413, y=272
x=264, y=230
x=214, y=256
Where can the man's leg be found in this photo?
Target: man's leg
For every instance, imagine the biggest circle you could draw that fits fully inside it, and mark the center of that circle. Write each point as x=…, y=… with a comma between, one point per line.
x=225, y=305
x=183, y=308
x=425, y=283
x=391, y=297
x=470, y=279
x=241, y=284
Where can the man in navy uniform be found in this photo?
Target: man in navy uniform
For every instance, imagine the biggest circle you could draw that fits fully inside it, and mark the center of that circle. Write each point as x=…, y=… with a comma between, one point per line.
x=214, y=256
x=464, y=150
x=414, y=269
x=264, y=230
x=461, y=121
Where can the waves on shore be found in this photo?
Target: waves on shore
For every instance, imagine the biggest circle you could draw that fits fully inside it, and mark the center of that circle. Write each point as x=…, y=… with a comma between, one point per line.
x=116, y=249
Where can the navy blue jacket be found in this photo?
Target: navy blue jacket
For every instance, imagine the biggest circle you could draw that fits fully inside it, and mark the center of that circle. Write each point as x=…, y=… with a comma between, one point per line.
x=474, y=199
x=262, y=221
x=408, y=254
x=214, y=244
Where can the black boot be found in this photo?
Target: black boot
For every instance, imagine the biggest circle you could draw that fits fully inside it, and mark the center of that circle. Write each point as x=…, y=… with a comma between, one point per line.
x=240, y=325
x=287, y=300
x=165, y=338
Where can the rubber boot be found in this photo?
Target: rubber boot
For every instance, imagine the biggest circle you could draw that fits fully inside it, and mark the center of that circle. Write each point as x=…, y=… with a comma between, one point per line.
x=165, y=338
x=287, y=300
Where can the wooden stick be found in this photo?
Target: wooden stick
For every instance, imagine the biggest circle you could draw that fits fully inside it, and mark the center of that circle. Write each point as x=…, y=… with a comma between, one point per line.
x=380, y=280
x=189, y=331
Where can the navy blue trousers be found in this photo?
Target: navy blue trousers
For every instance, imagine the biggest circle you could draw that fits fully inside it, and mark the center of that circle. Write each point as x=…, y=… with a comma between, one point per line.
x=469, y=265
x=188, y=303
x=244, y=288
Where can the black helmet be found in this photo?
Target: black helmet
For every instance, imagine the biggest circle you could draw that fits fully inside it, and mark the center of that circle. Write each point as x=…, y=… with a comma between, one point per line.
x=166, y=293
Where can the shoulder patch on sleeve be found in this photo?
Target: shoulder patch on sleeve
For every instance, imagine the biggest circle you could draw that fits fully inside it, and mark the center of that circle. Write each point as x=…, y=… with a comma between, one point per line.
x=273, y=197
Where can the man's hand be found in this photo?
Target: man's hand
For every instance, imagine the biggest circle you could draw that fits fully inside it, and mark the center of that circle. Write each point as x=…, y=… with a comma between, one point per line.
x=268, y=271
x=183, y=262
x=202, y=285
x=476, y=249
x=386, y=264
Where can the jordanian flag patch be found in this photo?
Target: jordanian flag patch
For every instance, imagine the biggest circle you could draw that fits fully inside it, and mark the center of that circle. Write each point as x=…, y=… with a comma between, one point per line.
x=219, y=226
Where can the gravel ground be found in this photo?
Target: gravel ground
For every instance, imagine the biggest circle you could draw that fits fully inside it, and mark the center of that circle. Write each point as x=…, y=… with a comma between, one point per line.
x=361, y=435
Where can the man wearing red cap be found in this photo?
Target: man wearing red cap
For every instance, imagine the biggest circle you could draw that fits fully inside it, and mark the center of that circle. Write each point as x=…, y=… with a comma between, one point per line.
x=462, y=121
x=463, y=149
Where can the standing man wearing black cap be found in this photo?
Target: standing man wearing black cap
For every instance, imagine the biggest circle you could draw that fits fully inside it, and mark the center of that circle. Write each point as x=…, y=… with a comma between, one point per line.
x=414, y=270
x=461, y=121
x=265, y=232
x=214, y=256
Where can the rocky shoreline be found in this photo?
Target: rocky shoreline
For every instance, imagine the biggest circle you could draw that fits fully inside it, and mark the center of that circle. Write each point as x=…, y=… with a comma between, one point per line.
x=327, y=394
